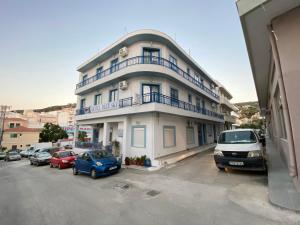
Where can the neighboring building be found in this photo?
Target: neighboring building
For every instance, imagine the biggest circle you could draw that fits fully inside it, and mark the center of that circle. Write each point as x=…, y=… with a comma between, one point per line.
x=147, y=93
x=272, y=35
x=38, y=120
x=226, y=107
x=20, y=137
x=14, y=122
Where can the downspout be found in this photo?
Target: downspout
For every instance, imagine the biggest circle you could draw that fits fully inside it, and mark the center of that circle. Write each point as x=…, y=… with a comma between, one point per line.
x=292, y=162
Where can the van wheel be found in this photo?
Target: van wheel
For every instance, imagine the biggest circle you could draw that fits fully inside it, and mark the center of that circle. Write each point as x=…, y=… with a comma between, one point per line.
x=221, y=168
x=75, y=171
x=93, y=174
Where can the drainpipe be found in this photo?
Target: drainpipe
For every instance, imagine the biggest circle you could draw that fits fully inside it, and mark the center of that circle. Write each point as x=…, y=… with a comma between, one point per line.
x=292, y=162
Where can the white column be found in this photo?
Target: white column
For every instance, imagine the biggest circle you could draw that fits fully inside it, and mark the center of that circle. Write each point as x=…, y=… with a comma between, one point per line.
x=105, y=134
x=75, y=138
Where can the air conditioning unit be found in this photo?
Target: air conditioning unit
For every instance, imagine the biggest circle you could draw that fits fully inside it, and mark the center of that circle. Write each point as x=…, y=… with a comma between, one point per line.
x=123, y=52
x=123, y=85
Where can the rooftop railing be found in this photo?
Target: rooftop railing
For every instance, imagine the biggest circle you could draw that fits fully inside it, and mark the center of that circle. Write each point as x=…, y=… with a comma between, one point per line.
x=147, y=60
x=150, y=98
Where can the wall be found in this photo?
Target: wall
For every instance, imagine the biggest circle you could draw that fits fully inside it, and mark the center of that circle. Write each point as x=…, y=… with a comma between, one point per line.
x=287, y=31
x=27, y=138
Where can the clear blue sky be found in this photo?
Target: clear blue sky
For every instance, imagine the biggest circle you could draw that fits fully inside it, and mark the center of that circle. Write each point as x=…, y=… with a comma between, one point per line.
x=42, y=42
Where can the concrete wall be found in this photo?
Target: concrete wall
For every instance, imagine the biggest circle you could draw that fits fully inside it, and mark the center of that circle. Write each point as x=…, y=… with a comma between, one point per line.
x=287, y=32
x=23, y=139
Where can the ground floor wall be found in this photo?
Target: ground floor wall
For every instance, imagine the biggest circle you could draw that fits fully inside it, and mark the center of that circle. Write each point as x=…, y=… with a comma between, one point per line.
x=154, y=134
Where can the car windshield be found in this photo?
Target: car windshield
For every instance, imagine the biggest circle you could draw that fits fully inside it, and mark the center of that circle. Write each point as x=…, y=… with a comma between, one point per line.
x=65, y=154
x=13, y=153
x=43, y=154
x=100, y=154
x=237, y=137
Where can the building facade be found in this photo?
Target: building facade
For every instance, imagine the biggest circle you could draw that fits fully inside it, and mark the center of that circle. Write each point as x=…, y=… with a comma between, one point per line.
x=226, y=107
x=146, y=93
x=20, y=137
x=272, y=35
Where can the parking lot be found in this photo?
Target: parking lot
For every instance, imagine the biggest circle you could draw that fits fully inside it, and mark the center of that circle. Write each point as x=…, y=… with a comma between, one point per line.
x=190, y=192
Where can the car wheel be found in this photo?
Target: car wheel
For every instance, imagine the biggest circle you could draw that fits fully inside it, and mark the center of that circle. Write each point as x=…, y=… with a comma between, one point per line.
x=93, y=174
x=31, y=163
x=221, y=168
x=51, y=166
x=59, y=166
x=75, y=171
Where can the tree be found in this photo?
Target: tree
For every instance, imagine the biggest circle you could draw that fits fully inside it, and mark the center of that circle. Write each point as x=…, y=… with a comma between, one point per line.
x=247, y=111
x=82, y=135
x=52, y=132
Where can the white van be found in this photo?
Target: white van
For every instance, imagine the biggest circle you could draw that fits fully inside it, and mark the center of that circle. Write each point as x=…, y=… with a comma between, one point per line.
x=240, y=149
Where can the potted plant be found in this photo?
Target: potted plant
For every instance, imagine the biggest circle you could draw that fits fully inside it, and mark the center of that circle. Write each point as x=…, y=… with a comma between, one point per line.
x=127, y=161
x=143, y=158
x=138, y=161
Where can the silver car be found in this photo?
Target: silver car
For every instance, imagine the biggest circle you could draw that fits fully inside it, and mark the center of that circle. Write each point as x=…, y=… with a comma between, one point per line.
x=12, y=155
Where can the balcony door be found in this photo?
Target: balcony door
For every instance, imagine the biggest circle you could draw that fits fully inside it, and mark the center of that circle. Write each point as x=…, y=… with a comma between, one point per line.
x=174, y=97
x=151, y=55
x=150, y=93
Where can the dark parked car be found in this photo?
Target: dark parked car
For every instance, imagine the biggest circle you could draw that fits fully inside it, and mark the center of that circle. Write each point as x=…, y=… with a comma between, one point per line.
x=96, y=163
x=40, y=158
x=12, y=155
x=32, y=152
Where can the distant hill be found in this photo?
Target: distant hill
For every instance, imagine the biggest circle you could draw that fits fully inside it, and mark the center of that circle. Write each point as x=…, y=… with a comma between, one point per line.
x=55, y=108
x=50, y=108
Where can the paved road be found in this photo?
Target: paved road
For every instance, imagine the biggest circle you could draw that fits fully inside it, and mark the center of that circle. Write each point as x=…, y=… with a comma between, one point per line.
x=190, y=192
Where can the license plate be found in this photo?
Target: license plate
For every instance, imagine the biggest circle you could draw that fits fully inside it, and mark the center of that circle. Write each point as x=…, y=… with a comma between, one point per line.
x=112, y=168
x=232, y=163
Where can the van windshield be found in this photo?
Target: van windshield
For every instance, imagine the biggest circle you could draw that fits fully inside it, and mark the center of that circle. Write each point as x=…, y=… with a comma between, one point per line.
x=237, y=137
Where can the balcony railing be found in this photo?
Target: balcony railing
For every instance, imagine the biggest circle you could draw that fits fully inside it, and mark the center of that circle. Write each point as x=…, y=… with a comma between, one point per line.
x=151, y=98
x=147, y=60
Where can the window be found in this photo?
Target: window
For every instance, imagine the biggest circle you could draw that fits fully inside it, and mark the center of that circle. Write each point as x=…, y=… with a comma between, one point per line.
x=17, y=124
x=151, y=55
x=190, y=99
x=173, y=62
x=113, y=95
x=138, y=136
x=82, y=103
x=174, y=97
x=98, y=99
x=114, y=65
x=278, y=104
x=98, y=71
x=169, y=136
x=188, y=70
x=198, y=103
x=237, y=137
x=13, y=135
x=190, y=136
x=11, y=125
x=84, y=79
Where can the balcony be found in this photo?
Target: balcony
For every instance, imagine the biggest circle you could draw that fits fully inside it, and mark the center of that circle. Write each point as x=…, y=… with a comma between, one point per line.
x=145, y=100
x=226, y=102
x=147, y=60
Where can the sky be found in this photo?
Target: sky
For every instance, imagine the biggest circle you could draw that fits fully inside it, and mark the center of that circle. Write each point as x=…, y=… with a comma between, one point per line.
x=42, y=42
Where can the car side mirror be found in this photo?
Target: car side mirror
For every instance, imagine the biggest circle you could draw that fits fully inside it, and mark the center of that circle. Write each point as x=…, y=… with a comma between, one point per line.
x=262, y=140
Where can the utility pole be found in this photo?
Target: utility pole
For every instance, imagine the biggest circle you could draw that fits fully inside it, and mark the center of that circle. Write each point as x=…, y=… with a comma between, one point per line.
x=3, y=110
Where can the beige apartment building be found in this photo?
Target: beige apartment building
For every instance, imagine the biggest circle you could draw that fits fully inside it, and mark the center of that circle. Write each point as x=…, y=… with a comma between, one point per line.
x=272, y=34
x=20, y=137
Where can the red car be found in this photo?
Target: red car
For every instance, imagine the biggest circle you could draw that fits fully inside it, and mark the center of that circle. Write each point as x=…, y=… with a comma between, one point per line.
x=62, y=159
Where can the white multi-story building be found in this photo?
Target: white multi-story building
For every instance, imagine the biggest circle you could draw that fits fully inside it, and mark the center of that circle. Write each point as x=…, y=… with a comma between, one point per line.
x=226, y=107
x=147, y=93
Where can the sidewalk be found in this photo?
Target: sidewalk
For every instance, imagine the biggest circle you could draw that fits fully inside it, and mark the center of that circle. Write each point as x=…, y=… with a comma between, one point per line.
x=281, y=188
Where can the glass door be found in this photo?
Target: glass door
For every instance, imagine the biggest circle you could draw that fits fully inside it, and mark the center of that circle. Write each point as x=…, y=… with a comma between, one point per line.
x=174, y=97
x=150, y=93
x=151, y=55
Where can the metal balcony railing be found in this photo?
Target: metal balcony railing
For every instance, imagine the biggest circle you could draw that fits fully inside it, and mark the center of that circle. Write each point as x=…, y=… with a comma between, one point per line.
x=147, y=60
x=155, y=98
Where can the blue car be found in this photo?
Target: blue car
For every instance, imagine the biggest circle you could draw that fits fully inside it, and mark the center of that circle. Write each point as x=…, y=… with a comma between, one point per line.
x=96, y=163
